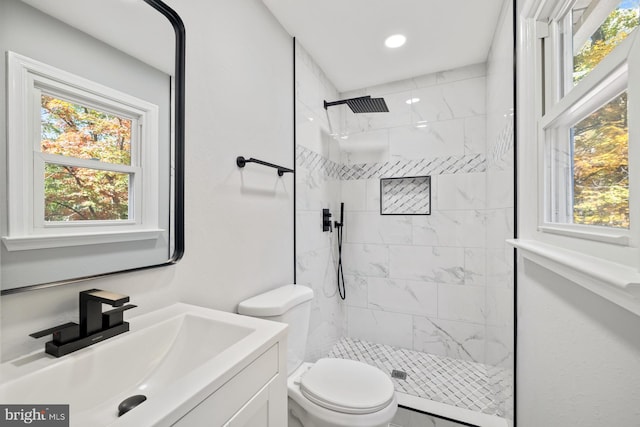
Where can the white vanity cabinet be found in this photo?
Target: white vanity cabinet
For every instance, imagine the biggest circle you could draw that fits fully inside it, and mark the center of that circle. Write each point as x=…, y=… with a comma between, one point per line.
x=196, y=366
x=255, y=397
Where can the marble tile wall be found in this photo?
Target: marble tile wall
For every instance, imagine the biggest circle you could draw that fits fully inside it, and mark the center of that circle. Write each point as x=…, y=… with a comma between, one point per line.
x=419, y=282
x=317, y=187
x=398, y=168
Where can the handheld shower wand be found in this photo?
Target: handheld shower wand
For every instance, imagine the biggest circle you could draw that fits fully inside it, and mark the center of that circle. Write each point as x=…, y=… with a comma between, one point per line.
x=339, y=228
x=337, y=224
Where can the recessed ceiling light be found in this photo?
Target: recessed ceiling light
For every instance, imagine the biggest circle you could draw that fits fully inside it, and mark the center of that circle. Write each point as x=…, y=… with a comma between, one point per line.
x=395, y=40
x=412, y=100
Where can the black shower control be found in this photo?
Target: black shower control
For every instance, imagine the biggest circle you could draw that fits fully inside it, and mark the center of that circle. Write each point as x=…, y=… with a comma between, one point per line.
x=326, y=220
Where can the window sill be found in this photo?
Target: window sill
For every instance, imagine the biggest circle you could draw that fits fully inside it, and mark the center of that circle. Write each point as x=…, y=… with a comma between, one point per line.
x=615, y=282
x=65, y=240
x=605, y=236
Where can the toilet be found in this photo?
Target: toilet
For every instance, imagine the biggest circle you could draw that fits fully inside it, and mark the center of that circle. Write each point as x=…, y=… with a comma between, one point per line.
x=330, y=392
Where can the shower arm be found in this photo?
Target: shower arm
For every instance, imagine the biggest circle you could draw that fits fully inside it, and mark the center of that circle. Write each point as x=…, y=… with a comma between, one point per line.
x=344, y=101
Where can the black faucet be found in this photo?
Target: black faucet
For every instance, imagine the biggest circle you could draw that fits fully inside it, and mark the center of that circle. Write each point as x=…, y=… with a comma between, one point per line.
x=95, y=325
x=91, y=309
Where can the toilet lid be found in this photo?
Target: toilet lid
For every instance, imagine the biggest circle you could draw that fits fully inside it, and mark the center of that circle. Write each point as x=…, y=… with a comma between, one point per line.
x=347, y=386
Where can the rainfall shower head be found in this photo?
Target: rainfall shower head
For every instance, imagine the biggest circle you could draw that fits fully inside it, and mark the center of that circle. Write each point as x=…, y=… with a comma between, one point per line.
x=362, y=104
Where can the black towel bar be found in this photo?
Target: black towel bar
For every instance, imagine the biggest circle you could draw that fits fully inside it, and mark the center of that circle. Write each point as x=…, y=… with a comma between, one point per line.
x=241, y=162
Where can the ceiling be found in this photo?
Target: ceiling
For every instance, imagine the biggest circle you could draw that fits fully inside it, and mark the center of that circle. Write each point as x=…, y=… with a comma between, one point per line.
x=346, y=37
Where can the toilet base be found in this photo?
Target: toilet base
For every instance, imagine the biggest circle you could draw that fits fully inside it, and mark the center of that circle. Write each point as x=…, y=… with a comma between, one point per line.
x=293, y=415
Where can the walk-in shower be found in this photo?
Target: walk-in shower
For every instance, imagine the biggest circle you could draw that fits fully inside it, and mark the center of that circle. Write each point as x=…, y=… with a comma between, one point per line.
x=429, y=290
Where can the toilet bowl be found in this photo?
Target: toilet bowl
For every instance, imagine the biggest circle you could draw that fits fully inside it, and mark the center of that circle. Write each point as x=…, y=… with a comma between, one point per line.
x=331, y=392
x=340, y=393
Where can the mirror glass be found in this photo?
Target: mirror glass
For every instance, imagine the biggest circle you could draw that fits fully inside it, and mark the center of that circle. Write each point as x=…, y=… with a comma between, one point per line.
x=92, y=152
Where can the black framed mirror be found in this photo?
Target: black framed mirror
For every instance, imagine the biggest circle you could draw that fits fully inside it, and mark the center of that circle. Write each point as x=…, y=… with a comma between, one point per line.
x=92, y=146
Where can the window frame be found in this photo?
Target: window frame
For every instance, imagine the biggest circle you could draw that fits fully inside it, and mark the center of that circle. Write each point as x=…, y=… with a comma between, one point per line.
x=564, y=107
x=27, y=79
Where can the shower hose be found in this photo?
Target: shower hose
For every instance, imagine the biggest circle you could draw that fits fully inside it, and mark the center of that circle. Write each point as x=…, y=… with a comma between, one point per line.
x=341, y=289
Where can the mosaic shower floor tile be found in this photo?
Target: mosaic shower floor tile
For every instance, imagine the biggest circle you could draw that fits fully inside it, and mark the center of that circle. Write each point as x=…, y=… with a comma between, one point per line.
x=469, y=385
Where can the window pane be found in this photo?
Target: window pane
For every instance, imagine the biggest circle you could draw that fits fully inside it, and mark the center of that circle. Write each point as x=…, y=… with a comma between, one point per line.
x=82, y=194
x=600, y=167
x=75, y=130
x=599, y=26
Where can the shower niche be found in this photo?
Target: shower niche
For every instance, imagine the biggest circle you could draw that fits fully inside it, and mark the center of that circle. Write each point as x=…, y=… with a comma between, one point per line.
x=405, y=195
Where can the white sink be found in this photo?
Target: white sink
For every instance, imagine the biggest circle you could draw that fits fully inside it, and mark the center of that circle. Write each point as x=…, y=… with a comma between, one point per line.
x=175, y=356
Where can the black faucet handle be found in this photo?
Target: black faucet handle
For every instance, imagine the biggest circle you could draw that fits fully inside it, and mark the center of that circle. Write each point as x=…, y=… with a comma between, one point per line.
x=105, y=297
x=115, y=317
x=61, y=334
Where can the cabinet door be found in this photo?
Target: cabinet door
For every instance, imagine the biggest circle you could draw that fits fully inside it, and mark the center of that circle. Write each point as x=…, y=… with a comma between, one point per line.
x=255, y=413
x=229, y=400
x=268, y=408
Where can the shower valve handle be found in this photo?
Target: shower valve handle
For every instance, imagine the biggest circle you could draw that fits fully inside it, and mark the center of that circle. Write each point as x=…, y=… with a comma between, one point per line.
x=326, y=221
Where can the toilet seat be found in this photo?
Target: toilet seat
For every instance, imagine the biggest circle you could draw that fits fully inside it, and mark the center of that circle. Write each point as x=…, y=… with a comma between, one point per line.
x=312, y=414
x=347, y=386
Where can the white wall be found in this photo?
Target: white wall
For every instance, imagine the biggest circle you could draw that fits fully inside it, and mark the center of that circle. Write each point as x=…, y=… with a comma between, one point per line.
x=239, y=238
x=578, y=355
x=239, y=234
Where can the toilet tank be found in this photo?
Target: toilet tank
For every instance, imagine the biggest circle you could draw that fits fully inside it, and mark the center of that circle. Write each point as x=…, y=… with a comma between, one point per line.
x=290, y=304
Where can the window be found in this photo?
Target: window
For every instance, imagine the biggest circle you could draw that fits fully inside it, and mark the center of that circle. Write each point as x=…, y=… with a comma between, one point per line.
x=74, y=136
x=584, y=130
x=591, y=30
x=590, y=171
x=82, y=160
x=600, y=176
x=578, y=145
